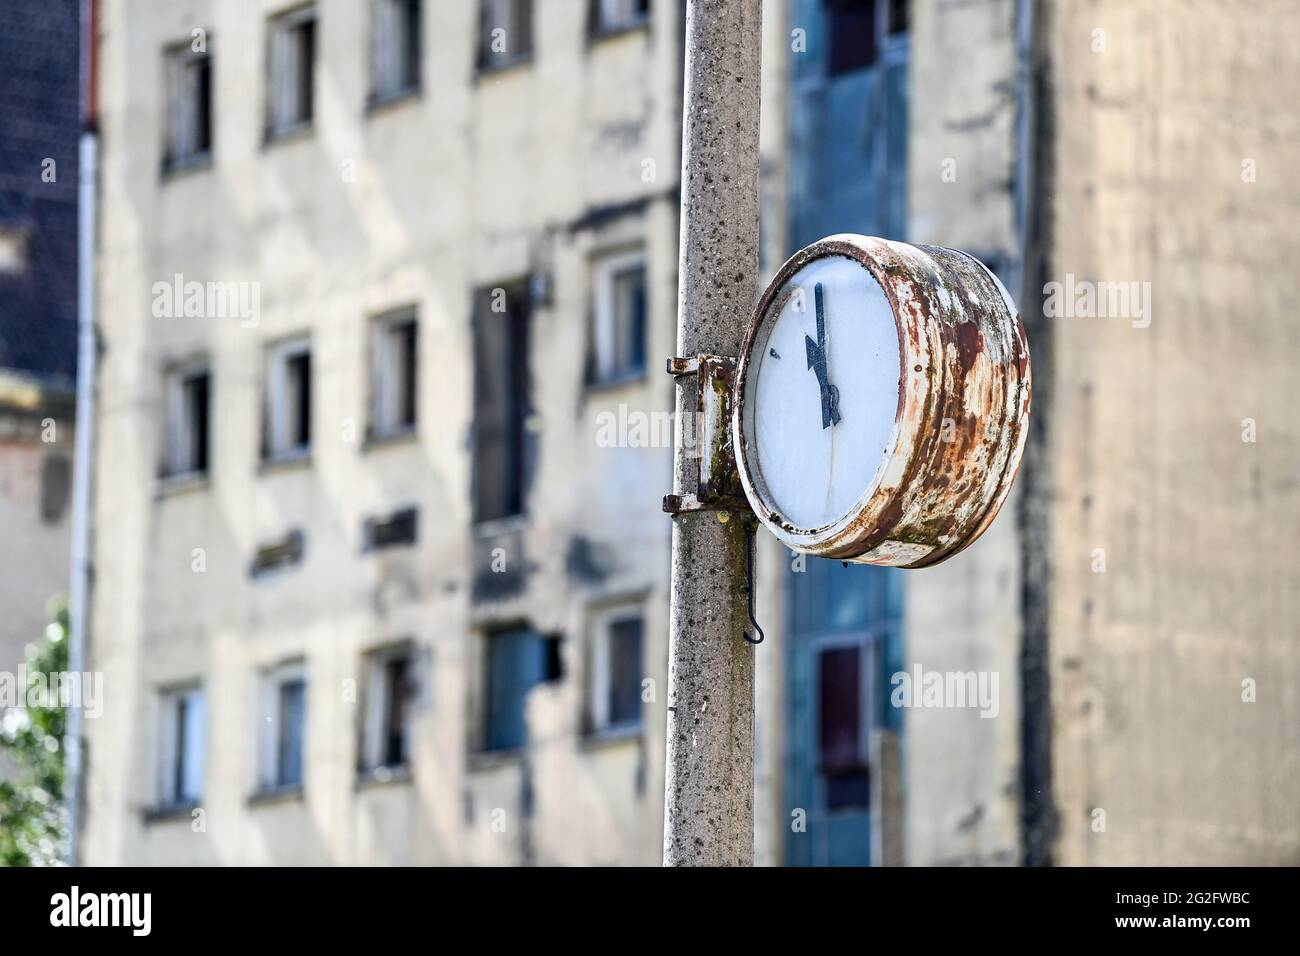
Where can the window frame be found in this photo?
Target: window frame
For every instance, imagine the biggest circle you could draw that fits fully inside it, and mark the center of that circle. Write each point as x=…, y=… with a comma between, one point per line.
x=548, y=650
x=514, y=437
x=384, y=414
x=600, y=673
x=173, y=747
x=489, y=62
x=278, y=356
x=177, y=420
x=605, y=370
x=270, y=731
x=377, y=696
x=278, y=25
x=178, y=59
x=598, y=29
x=411, y=80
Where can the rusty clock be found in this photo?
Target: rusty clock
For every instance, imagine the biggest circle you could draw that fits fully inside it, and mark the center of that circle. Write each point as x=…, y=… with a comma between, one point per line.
x=881, y=401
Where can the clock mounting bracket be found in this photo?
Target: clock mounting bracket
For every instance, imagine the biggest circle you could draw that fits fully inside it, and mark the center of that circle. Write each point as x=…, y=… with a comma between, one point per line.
x=706, y=436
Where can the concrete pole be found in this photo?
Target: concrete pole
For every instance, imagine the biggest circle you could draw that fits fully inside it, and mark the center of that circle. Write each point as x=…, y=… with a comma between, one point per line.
x=709, y=771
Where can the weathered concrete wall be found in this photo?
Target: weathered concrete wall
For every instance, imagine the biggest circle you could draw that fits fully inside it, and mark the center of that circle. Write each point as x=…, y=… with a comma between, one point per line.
x=475, y=182
x=960, y=768
x=1175, y=155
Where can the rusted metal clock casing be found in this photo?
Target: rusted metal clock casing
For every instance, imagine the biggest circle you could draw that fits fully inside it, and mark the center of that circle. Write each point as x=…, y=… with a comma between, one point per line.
x=962, y=415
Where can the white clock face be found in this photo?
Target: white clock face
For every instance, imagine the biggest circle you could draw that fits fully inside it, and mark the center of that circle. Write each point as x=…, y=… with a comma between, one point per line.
x=823, y=387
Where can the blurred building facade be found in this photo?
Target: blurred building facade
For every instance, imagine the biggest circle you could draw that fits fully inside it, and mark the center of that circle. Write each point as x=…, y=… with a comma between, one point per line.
x=38, y=330
x=385, y=290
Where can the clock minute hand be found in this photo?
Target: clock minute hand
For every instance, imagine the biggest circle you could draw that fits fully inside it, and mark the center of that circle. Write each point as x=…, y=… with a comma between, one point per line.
x=816, y=354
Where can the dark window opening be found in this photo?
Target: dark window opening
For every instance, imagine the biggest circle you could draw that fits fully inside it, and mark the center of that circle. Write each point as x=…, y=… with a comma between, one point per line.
x=305, y=39
x=625, y=638
x=398, y=528
x=299, y=369
x=189, y=107
x=629, y=321
x=394, y=377
x=897, y=17
x=501, y=346
x=196, y=403
x=851, y=26
x=188, y=415
x=291, y=700
x=288, y=401
x=281, y=554
x=396, y=59
x=841, y=728
x=611, y=16
x=397, y=695
x=183, y=716
x=505, y=33
x=292, y=61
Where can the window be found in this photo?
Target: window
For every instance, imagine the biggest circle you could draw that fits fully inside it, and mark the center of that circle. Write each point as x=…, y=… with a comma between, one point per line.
x=277, y=555
x=610, y=16
x=857, y=30
x=500, y=401
x=616, y=671
x=395, y=56
x=284, y=714
x=619, y=318
x=518, y=659
x=182, y=742
x=398, y=528
x=188, y=393
x=391, y=692
x=292, y=63
x=288, y=412
x=393, y=375
x=843, y=725
x=506, y=33
x=189, y=106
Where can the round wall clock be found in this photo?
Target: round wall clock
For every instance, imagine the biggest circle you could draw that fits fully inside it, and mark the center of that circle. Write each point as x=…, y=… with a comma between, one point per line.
x=881, y=401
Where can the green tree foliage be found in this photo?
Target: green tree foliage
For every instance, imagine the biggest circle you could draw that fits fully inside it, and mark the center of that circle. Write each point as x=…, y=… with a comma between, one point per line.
x=33, y=819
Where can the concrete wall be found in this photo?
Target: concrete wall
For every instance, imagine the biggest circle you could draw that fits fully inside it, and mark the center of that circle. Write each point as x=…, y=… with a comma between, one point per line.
x=1173, y=164
x=475, y=182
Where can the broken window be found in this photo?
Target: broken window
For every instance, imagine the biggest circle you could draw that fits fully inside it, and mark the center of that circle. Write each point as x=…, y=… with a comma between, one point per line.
x=506, y=33
x=390, y=698
x=182, y=734
x=518, y=659
x=616, y=671
x=393, y=375
x=618, y=317
x=187, y=403
x=500, y=412
x=284, y=714
x=396, y=52
x=292, y=62
x=189, y=106
x=610, y=16
x=288, y=402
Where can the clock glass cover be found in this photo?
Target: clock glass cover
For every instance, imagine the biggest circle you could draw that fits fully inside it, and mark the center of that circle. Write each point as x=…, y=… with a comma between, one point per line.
x=823, y=392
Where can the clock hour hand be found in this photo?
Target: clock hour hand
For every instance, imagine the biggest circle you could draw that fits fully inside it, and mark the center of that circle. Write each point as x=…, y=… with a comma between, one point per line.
x=816, y=354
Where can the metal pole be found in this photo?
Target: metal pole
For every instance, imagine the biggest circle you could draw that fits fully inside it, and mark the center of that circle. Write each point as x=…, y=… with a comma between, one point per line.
x=82, y=463
x=709, y=770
